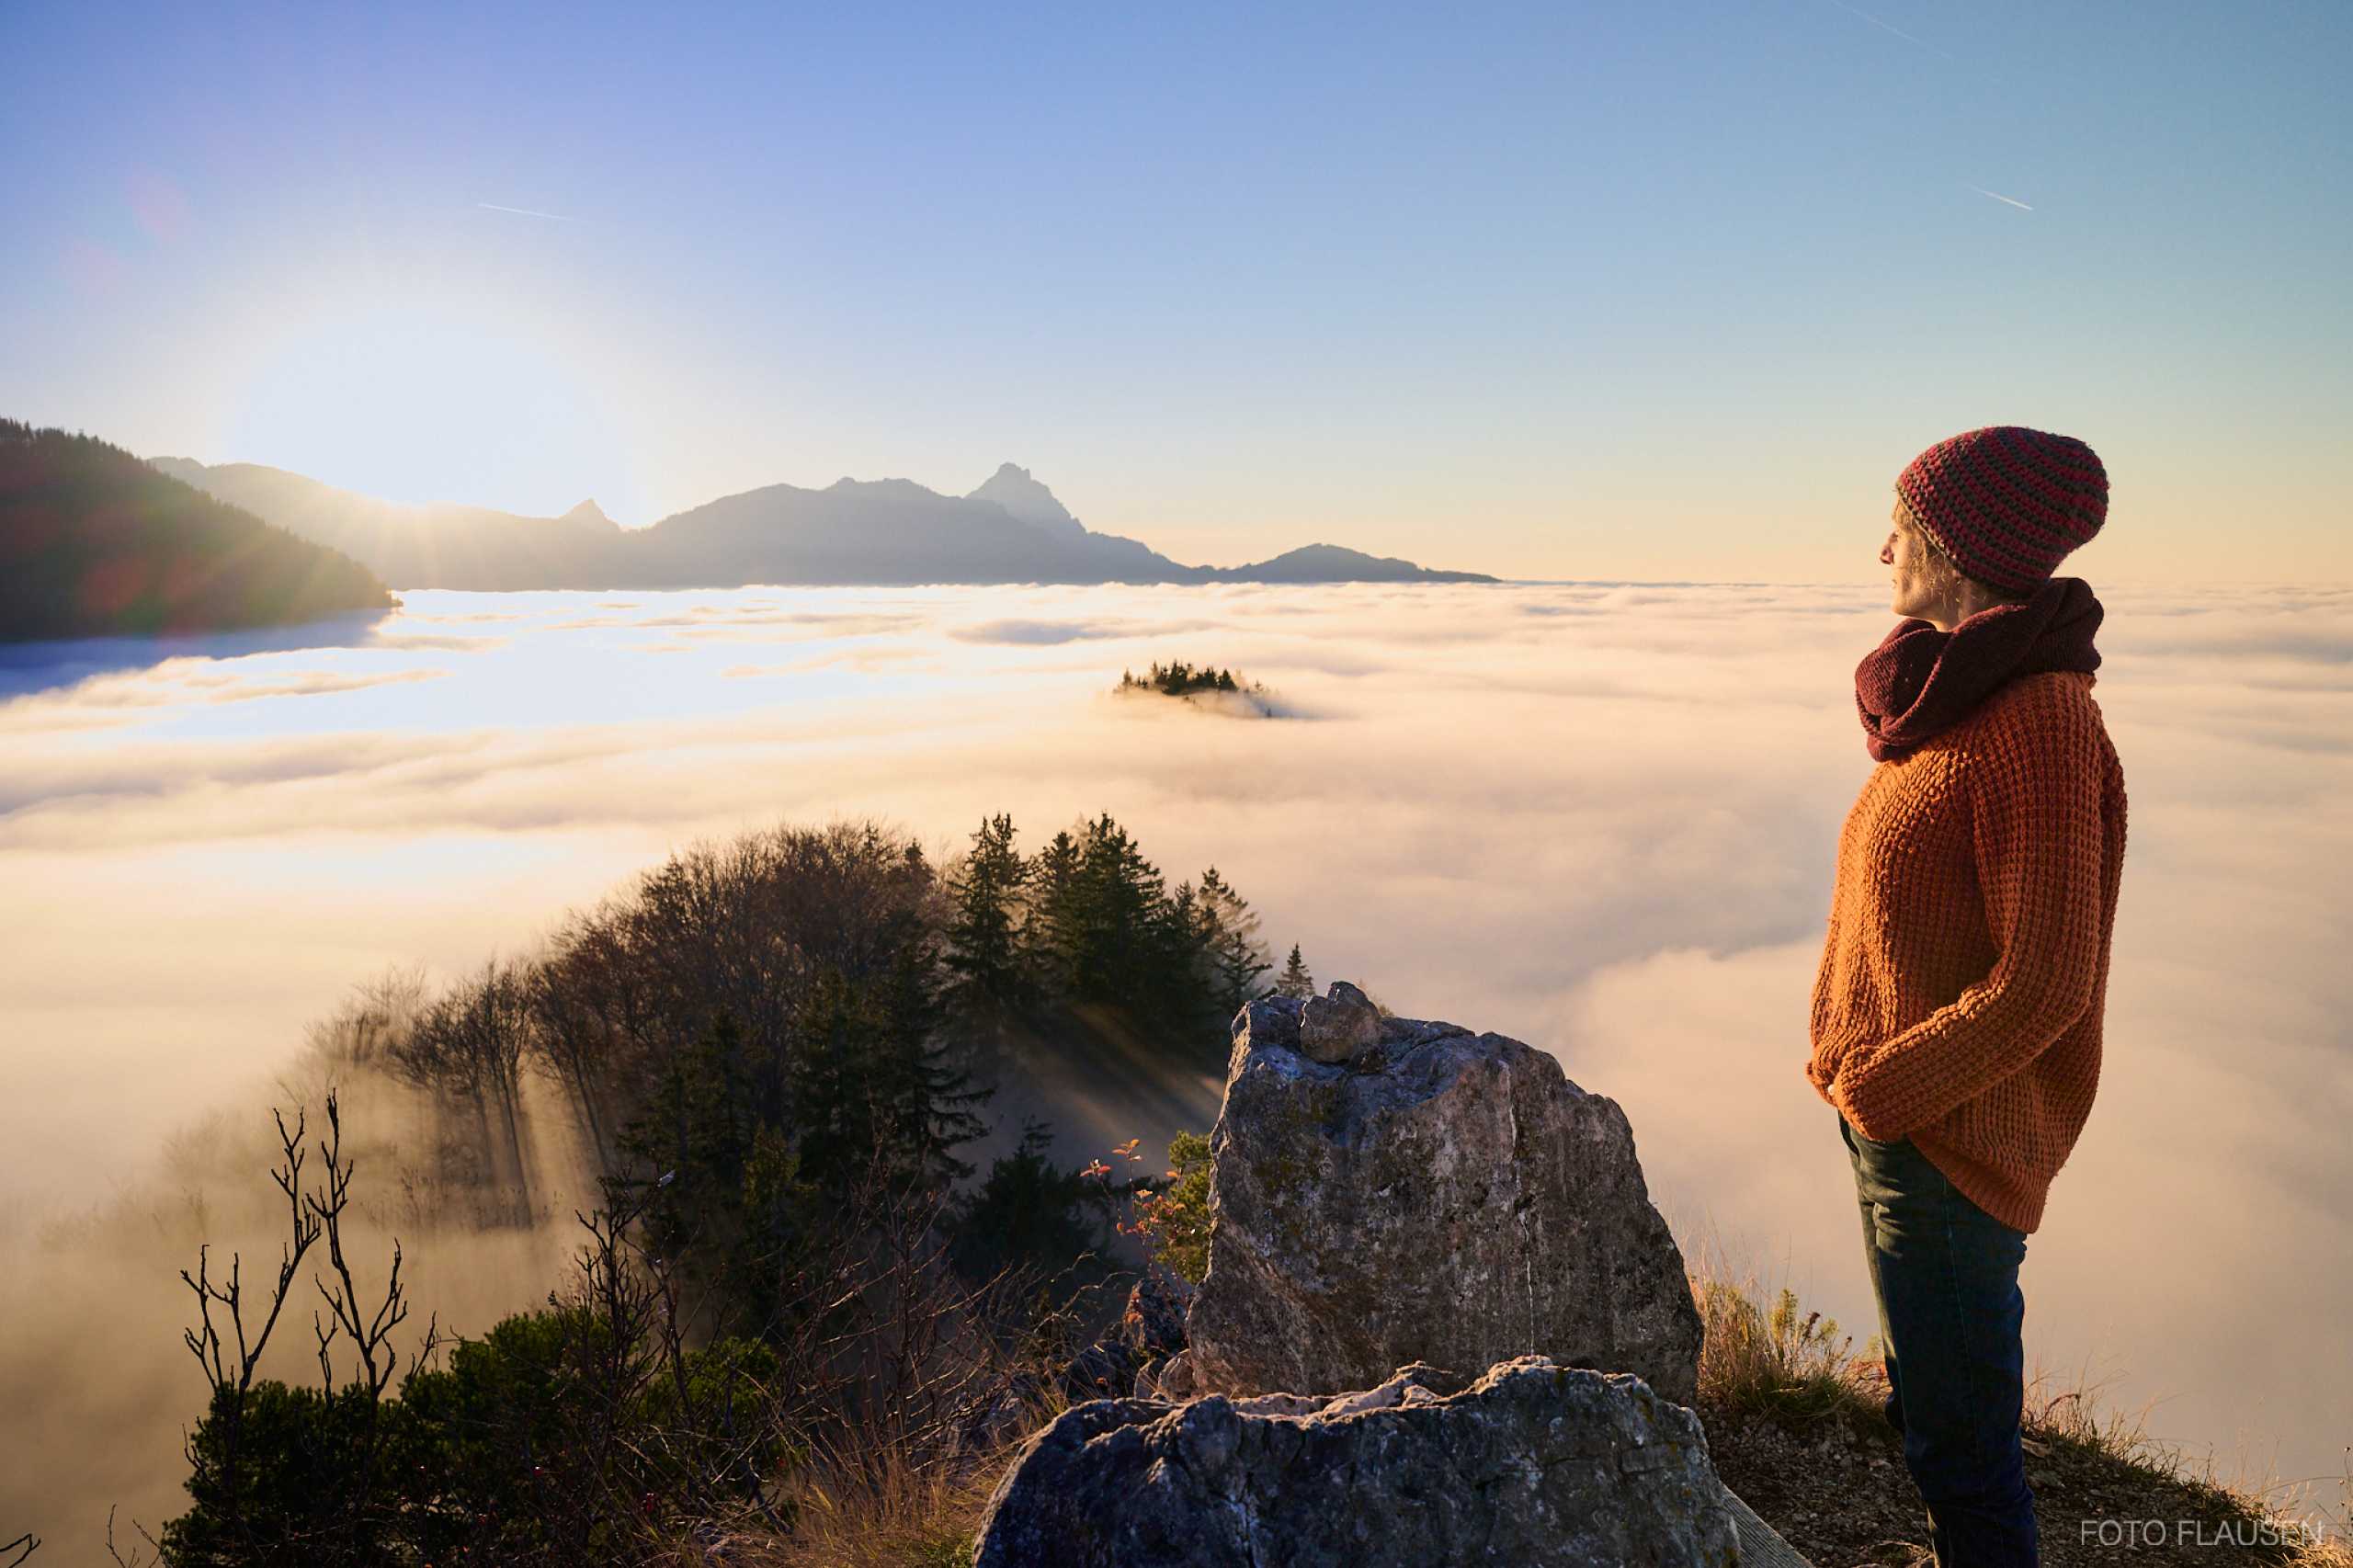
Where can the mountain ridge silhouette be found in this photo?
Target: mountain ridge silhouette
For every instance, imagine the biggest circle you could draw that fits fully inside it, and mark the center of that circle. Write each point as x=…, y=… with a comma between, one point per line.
x=1010, y=529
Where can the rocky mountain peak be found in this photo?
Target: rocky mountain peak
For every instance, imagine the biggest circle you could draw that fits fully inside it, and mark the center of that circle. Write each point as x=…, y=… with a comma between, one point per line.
x=1012, y=488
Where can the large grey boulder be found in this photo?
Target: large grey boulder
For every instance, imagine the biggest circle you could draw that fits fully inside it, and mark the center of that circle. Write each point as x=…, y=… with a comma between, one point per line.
x=1532, y=1464
x=1422, y=1194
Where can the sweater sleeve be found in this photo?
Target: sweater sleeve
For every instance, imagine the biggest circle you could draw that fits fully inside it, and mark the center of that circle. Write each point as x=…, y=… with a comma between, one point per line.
x=1819, y=1004
x=2035, y=805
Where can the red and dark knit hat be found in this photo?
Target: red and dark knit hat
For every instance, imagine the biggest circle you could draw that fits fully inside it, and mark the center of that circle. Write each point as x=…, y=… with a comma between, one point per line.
x=2006, y=503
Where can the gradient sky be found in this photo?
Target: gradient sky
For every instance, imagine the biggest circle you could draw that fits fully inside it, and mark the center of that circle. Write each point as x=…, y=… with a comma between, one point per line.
x=1546, y=290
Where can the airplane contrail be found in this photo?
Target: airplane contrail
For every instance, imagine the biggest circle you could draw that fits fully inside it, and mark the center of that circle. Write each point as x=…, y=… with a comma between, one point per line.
x=527, y=212
x=1998, y=196
x=1890, y=27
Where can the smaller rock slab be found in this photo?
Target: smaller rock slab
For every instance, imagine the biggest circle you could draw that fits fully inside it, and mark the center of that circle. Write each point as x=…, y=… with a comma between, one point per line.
x=1531, y=1463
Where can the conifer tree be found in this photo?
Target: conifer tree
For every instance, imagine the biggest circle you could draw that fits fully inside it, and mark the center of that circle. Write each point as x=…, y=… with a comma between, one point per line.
x=1030, y=1212
x=869, y=1075
x=1183, y=936
x=1295, y=980
x=1050, y=928
x=1118, y=908
x=1236, y=958
x=694, y=1140
x=984, y=948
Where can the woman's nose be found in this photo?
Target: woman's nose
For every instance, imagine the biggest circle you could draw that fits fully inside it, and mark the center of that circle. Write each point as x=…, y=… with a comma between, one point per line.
x=1887, y=553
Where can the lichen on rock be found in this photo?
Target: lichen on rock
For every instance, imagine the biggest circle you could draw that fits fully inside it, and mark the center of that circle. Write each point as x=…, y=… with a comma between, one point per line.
x=1530, y=1462
x=1387, y=1190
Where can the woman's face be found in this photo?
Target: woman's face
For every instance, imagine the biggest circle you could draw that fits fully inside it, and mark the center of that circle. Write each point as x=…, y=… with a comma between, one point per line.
x=1905, y=556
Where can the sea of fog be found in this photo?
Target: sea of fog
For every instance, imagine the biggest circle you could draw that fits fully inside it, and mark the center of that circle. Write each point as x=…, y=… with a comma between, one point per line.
x=1598, y=817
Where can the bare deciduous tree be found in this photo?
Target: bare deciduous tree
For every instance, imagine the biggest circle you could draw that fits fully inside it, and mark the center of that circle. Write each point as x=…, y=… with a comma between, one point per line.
x=313, y=1213
x=468, y=1048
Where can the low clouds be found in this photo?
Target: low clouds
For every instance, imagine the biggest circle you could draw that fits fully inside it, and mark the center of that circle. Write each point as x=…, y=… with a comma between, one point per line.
x=1600, y=817
x=1035, y=632
x=1046, y=633
x=199, y=683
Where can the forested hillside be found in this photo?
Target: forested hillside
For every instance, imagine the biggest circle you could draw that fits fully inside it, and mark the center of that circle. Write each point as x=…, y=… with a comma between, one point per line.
x=95, y=543
x=778, y=1051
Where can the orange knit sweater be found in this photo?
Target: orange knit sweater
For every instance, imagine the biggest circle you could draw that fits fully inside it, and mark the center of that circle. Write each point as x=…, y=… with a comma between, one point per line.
x=1965, y=971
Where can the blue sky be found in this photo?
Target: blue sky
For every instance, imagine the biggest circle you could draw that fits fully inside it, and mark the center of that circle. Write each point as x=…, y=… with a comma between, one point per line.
x=1623, y=289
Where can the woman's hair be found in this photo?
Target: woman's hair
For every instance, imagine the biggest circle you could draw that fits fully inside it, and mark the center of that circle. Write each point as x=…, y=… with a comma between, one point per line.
x=1943, y=576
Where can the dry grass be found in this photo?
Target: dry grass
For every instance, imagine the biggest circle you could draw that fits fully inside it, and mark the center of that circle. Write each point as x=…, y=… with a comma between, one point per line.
x=1762, y=1356
x=873, y=1511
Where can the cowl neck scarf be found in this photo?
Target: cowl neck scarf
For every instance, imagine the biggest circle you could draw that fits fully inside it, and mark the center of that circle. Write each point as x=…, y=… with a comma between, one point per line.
x=1920, y=681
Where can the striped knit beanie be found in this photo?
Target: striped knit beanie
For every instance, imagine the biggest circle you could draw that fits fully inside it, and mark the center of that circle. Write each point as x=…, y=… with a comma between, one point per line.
x=2006, y=503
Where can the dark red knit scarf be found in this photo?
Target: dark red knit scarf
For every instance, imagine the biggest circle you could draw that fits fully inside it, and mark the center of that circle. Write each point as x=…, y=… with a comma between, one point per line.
x=1920, y=681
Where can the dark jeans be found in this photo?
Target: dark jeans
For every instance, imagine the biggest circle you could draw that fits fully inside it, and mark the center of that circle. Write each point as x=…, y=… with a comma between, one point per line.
x=1949, y=1312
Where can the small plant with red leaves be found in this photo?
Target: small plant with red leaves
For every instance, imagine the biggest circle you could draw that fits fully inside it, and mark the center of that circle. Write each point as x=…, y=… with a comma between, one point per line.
x=1171, y=1213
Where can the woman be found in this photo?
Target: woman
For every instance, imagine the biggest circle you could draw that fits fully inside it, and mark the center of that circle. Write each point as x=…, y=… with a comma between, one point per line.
x=1956, y=1015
